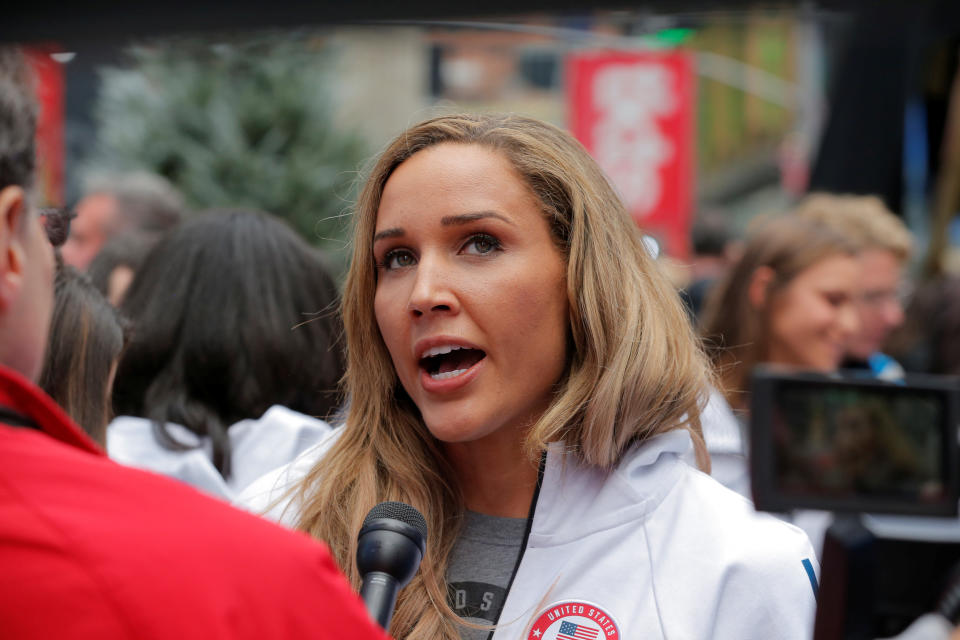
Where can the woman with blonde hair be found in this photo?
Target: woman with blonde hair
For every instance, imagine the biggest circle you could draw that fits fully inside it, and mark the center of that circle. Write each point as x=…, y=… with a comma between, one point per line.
x=521, y=372
x=789, y=301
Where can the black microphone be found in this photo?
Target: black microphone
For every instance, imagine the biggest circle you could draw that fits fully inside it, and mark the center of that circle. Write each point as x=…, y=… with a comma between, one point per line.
x=389, y=549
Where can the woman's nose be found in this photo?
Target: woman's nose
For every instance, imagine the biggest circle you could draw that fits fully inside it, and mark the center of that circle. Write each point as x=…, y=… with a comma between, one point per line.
x=433, y=288
x=894, y=313
x=849, y=320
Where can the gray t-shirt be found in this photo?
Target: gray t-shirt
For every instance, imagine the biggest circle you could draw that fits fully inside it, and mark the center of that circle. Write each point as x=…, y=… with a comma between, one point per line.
x=480, y=568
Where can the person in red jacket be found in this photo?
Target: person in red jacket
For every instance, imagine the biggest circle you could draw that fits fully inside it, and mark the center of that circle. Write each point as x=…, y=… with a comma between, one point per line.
x=91, y=549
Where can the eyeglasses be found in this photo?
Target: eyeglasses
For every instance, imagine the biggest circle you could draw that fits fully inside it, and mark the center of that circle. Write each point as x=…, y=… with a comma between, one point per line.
x=56, y=222
x=900, y=296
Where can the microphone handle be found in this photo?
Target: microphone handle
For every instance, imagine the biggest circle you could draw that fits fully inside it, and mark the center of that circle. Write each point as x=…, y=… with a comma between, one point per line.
x=379, y=593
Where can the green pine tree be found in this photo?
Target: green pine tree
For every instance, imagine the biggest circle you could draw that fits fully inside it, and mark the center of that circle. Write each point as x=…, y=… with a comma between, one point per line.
x=241, y=123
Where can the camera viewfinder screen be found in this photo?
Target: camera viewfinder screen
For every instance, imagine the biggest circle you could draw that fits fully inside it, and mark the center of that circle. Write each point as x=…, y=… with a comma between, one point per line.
x=856, y=443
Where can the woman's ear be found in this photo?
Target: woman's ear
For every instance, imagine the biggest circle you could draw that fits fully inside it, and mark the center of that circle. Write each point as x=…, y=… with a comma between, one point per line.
x=758, y=292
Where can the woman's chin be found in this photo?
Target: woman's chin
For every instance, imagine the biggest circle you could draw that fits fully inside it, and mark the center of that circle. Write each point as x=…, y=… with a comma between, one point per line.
x=827, y=364
x=455, y=433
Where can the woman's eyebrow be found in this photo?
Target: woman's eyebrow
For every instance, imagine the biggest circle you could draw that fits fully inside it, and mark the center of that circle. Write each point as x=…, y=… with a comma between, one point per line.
x=395, y=232
x=446, y=221
x=464, y=218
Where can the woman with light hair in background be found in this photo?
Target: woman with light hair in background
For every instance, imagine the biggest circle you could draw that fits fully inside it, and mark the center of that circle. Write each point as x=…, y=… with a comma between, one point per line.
x=522, y=373
x=885, y=246
x=790, y=301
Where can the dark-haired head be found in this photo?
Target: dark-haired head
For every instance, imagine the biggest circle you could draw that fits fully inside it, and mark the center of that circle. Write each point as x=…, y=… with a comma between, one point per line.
x=28, y=301
x=18, y=121
x=86, y=340
x=113, y=268
x=232, y=313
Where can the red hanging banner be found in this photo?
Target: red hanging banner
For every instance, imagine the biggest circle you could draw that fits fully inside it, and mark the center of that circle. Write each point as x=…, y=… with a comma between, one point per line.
x=634, y=112
x=48, y=74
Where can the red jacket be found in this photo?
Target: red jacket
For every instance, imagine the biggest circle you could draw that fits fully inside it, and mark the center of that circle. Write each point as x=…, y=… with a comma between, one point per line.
x=92, y=549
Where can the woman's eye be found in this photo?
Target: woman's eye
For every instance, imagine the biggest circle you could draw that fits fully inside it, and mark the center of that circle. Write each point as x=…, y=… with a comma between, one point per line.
x=397, y=259
x=836, y=299
x=481, y=244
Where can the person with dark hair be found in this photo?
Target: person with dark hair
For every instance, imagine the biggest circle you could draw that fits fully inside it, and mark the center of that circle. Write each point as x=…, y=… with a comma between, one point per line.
x=233, y=314
x=112, y=270
x=929, y=339
x=93, y=549
x=712, y=256
x=86, y=339
x=139, y=201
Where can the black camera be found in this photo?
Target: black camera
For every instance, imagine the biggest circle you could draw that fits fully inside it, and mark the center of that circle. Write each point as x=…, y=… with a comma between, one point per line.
x=884, y=458
x=855, y=445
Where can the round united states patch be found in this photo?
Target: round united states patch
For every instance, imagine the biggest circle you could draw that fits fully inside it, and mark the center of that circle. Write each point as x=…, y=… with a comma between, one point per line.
x=574, y=620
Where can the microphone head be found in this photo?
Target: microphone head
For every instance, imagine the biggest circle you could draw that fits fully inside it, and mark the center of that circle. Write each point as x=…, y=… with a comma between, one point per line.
x=392, y=540
x=398, y=511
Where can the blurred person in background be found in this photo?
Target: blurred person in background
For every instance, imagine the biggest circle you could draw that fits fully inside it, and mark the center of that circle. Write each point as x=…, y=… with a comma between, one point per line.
x=233, y=353
x=929, y=340
x=117, y=203
x=790, y=300
x=114, y=267
x=885, y=246
x=86, y=339
x=722, y=432
x=714, y=252
x=93, y=549
x=725, y=439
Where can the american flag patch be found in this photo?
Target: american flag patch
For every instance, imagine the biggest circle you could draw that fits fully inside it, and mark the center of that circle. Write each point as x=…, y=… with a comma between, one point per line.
x=573, y=620
x=570, y=631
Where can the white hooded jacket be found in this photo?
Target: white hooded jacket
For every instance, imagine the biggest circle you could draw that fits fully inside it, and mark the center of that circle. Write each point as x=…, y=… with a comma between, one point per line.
x=654, y=549
x=257, y=446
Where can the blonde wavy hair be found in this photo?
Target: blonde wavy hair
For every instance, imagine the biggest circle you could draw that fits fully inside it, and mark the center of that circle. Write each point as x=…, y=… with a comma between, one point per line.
x=634, y=369
x=864, y=219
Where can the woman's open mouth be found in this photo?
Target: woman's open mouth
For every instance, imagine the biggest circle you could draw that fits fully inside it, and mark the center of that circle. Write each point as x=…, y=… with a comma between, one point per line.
x=450, y=361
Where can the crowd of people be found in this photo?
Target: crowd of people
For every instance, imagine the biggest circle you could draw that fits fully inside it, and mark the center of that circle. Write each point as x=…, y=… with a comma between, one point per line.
x=505, y=356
